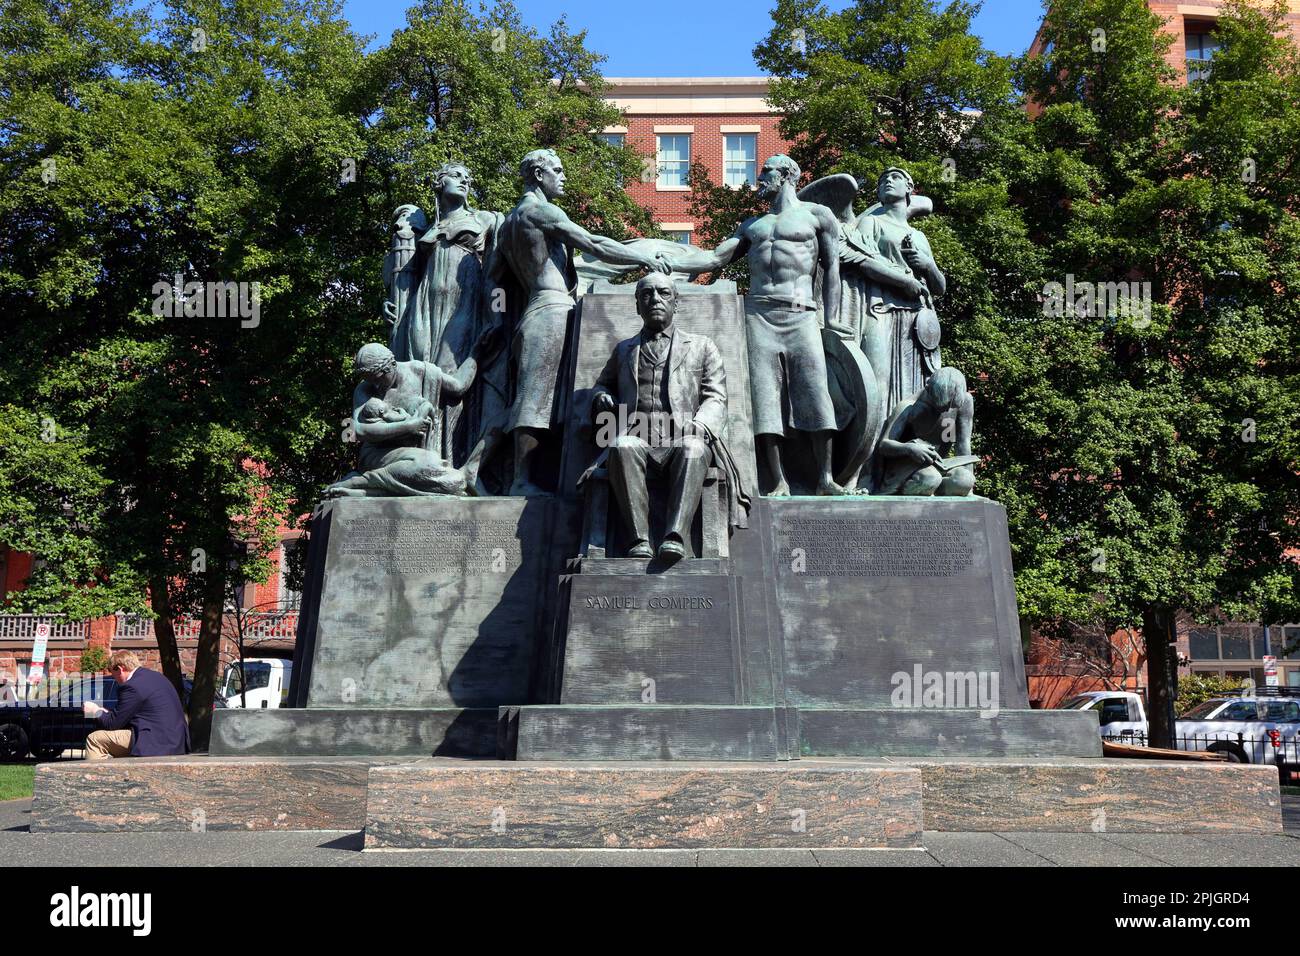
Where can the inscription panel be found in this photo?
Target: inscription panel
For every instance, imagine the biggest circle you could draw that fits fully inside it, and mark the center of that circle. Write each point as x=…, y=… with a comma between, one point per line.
x=650, y=640
x=875, y=547
x=871, y=588
x=423, y=545
x=430, y=602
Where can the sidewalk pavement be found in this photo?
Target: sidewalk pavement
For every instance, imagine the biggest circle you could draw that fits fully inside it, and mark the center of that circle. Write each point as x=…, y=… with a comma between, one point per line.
x=19, y=847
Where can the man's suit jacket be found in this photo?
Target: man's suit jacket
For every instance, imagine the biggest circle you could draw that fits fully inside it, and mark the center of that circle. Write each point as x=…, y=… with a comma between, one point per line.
x=148, y=704
x=697, y=382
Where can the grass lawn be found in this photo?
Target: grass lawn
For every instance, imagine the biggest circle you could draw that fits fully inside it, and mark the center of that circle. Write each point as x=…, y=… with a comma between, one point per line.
x=16, y=780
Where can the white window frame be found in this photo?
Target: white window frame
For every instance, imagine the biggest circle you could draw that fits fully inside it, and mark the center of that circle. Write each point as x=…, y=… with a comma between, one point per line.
x=1198, y=65
x=680, y=167
x=751, y=176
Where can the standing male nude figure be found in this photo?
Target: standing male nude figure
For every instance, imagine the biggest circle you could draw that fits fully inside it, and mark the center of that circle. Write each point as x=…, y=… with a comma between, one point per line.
x=787, y=365
x=536, y=241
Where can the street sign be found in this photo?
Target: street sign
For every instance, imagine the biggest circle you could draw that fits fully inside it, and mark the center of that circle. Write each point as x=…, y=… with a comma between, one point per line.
x=37, y=670
x=1270, y=671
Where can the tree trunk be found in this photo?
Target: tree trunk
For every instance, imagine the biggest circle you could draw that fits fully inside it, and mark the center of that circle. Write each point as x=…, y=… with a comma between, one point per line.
x=1159, y=634
x=206, y=663
x=164, y=632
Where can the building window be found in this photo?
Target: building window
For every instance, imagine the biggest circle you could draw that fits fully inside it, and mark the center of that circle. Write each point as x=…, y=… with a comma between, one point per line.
x=287, y=599
x=1203, y=643
x=674, y=159
x=740, y=159
x=616, y=140
x=1236, y=644
x=678, y=235
x=1201, y=47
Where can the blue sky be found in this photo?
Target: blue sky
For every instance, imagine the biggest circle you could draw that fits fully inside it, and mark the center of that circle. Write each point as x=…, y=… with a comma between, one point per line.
x=687, y=37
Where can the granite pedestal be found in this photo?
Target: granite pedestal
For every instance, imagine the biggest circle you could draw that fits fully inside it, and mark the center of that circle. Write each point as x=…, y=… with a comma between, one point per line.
x=450, y=802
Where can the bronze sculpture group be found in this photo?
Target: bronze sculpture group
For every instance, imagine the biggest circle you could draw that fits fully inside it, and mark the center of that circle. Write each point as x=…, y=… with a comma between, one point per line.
x=841, y=333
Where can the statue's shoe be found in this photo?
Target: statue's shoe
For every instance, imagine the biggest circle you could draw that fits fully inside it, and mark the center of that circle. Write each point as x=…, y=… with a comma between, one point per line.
x=672, y=550
x=640, y=550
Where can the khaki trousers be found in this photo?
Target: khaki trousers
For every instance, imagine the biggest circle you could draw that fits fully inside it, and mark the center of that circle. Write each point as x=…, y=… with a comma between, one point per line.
x=102, y=744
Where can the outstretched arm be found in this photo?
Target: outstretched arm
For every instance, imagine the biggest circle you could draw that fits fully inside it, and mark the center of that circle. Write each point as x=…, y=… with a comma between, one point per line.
x=705, y=261
x=557, y=225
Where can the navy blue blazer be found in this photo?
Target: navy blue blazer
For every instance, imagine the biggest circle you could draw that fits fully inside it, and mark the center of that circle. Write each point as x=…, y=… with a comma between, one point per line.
x=148, y=704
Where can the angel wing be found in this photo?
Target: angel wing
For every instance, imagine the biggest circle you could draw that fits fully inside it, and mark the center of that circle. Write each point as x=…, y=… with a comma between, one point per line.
x=834, y=192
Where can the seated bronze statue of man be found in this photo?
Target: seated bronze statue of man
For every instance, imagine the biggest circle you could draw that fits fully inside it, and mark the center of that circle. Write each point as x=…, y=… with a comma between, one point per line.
x=660, y=405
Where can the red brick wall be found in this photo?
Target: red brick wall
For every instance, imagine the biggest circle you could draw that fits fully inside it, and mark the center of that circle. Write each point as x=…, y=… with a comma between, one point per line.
x=1176, y=23
x=706, y=148
x=17, y=566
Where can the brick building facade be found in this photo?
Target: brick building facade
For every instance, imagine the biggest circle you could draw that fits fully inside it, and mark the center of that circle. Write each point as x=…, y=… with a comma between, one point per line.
x=1192, y=26
x=721, y=122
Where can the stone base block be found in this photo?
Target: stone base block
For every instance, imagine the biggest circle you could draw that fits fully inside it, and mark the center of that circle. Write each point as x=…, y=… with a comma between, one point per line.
x=192, y=793
x=898, y=732
x=456, y=803
x=667, y=806
x=316, y=732
x=1117, y=796
x=669, y=732
x=650, y=732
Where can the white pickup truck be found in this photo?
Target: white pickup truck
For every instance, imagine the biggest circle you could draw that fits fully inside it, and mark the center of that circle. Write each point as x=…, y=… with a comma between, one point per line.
x=1260, y=729
x=263, y=683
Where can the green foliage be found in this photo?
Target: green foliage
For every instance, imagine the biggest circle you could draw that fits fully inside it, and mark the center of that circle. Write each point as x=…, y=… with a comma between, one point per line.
x=250, y=141
x=94, y=660
x=878, y=81
x=1147, y=462
x=1197, y=688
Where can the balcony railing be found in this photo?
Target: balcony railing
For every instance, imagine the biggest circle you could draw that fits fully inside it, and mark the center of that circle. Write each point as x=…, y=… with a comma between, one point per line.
x=22, y=627
x=133, y=627
x=258, y=625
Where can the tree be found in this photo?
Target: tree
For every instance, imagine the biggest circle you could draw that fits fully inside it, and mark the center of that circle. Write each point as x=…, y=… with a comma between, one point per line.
x=205, y=145
x=878, y=82
x=1145, y=449
x=250, y=142
x=1171, y=452
x=484, y=90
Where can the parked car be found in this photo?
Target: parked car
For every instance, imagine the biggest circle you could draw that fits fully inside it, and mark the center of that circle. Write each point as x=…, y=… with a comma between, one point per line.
x=1260, y=728
x=47, y=726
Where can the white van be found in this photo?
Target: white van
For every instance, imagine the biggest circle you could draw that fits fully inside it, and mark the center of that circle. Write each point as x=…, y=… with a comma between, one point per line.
x=263, y=683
